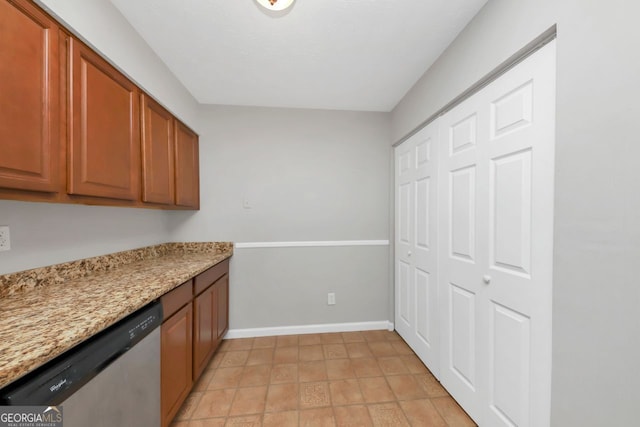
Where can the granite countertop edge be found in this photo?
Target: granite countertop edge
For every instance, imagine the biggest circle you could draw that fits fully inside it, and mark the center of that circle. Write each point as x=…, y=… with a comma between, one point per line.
x=50, y=310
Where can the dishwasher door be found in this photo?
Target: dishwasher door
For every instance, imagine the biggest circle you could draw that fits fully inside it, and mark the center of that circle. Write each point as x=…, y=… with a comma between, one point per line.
x=125, y=394
x=110, y=380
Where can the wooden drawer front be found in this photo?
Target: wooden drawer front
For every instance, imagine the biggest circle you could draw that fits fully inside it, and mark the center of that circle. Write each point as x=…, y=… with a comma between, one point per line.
x=206, y=278
x=174, y=300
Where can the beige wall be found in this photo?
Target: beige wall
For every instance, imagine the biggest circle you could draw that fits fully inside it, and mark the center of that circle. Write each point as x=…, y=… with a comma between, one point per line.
x=309, y=175
x=596, y=325
x=48, y=233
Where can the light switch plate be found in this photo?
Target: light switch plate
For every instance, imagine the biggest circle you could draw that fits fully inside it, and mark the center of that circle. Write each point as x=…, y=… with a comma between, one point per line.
x=5, y=239
x=331, y=298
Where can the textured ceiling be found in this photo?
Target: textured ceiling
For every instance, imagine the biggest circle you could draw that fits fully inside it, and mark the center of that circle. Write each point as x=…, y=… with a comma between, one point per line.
x=327, y=54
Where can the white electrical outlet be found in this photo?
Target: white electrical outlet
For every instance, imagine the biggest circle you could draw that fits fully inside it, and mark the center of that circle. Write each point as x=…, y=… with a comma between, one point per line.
x=331, y=298
x=5, y=239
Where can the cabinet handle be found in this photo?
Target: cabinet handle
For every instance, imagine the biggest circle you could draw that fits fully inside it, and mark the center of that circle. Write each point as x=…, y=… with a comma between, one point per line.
x=486, y=279
x=409, y=253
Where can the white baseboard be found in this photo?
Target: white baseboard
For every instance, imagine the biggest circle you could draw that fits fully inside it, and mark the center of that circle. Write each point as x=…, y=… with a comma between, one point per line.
x=309, y=329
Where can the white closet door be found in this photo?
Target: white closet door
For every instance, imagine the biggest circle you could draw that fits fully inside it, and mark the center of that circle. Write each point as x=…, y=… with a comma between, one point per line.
x=461, y=257
x=416, y=245
x=496, y=241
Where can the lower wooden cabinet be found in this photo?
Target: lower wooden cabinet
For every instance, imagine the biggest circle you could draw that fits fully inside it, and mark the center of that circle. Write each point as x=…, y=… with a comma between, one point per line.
x=211, y=322
x=205, y=329
x=223, y=306
x=196, y=317
x=175, y=361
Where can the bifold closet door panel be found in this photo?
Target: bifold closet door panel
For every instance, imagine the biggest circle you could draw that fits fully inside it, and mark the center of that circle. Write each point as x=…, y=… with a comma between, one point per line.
x=416, y=244
x=462, y=258
x=496, y=241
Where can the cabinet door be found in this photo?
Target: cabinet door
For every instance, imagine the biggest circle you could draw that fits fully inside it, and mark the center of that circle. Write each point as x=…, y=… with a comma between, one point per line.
x=176, y=358
x=223, y=307
x=205, y=327
x=29, y=92
x=157, y=153
x=104, y=158
x=187, y=168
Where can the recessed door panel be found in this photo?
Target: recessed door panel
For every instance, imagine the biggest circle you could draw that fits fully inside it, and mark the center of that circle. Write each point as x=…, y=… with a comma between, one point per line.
x=512, y=111
x=424, y=294
x=463, y=134
x=404, y=163
x=404, y=280
x=422, y=212
x=463, y=338
x=423, y=153
x=405, y=212
x=111, y=94
x=511, y=212
x=510, y=371
x=463, y=200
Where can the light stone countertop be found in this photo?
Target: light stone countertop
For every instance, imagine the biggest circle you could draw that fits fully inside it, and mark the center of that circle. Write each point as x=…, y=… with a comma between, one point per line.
x=45, y=312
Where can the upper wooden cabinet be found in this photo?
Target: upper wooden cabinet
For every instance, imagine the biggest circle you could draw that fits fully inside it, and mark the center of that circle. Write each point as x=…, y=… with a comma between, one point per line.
x=29, y=96
x=158, y=171
x=187, y=167
x=104, y=142
x=73, y=129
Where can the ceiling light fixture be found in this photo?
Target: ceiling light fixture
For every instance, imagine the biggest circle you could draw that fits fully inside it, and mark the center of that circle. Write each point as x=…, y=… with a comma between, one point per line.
x=275, y=5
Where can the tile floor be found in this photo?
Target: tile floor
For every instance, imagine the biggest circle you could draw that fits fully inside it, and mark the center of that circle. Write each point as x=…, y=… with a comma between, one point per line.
x=369, y=378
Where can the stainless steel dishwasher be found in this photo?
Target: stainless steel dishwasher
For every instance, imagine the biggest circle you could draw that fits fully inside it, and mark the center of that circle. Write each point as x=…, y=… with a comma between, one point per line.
x=112, y=379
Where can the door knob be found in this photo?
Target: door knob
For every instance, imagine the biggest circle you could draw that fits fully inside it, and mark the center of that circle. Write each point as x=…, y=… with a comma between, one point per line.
x=486, y=279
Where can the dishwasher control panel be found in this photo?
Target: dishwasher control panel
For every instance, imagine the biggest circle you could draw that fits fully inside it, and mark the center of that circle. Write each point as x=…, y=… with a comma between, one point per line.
x=145, y=324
